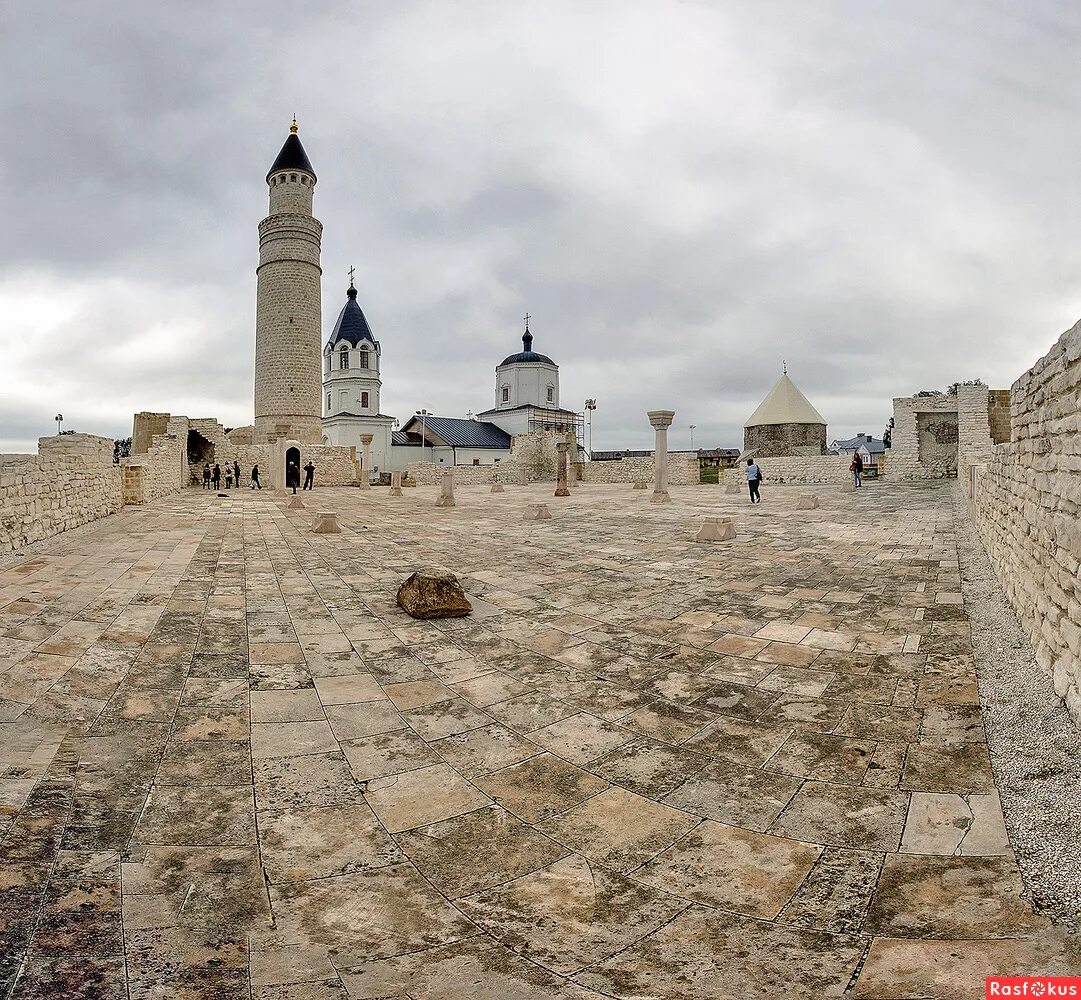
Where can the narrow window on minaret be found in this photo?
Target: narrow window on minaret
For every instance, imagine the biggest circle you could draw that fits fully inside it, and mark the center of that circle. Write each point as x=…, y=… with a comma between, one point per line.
x=364, y=400
x=364, y=357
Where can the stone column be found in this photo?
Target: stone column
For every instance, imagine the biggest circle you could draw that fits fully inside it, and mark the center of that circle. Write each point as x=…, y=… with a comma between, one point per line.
x=446, y=491
x=365, y=462
x=561, y=470
x=661, y=420
x=395, y=484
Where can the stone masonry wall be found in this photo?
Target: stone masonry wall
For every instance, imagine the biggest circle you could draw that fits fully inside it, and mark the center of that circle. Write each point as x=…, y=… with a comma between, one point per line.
x=683, y=470
x=1027, y=506
x=70, y=481
x=785, y=439
x=923, y=445
x=796, y=469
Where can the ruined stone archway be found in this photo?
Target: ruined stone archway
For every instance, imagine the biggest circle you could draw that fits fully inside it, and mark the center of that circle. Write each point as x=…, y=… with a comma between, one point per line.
x=200, y=451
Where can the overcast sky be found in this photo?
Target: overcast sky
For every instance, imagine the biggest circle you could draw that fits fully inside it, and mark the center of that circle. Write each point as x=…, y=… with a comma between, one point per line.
x=681, y=194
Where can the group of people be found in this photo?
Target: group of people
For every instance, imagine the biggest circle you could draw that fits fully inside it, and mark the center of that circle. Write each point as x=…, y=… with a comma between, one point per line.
x=754, y=475
x=292, y=476
x=212, y=476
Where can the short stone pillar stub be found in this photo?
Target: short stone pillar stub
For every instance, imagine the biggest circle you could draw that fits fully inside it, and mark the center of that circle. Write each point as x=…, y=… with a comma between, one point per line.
x=731, y=486
x=538, y=512
x=716, y=529
x=641, y=484
x=295, y=502
x=395, y=484
x=325, y=522
x=561, y=470
x=806, y=501
x=523, y=477
x=497, y=488
x=660, y=421
x=446, y=491
x=849, y=487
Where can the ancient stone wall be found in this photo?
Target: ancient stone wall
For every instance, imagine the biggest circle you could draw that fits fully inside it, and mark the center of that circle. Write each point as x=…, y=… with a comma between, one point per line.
x=683, y=470
x=70, y=481
x=796, y=469
x=144, y=426
x=941, y=436
x=785, y=439
x=998, y=414
x=1027, y=505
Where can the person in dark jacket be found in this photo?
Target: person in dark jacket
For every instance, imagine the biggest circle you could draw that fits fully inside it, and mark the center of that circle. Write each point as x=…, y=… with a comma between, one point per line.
x=856, y=468
x=292, y=476
x=309, y=475
x=236, y=474
x=206, y=476
x=255, y=484
x=217, y=476
x=754, y=480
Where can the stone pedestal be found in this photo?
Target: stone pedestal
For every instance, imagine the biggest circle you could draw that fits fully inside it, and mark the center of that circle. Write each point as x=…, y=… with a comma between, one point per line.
x=538, y=512
x=641, y=484
x=523, y=477
x=806, y=501
x=561, y=470
x=574, y=470
x=366, y=461
x=660, y=420
x=716, y=529
x=325, y=522
x=395, y=484
x=849, y=487
x=295, y=503
x=433, y=594
x=732, y=487
x=446, y=491
x=497, y=488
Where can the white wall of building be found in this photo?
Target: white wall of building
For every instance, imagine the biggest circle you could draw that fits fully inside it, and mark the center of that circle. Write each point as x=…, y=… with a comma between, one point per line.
x=526, y=382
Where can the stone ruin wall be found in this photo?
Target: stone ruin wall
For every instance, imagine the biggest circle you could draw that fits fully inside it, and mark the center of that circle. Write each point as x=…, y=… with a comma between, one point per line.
x=1026, y=499
x=796, y=469
x=72, y=480
x=941, y=436
x=776, y=440
x=683, y=470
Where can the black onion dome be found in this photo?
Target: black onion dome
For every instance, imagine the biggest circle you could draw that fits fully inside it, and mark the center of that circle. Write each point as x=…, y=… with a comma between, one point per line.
x=292, y=157
x=527, y=353
x=352, y=326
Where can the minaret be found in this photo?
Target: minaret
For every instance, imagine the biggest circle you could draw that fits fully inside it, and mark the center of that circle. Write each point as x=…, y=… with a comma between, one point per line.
x=288, y=319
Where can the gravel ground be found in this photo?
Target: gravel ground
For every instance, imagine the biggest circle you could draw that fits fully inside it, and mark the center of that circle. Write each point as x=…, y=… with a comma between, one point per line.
x=1035, y=746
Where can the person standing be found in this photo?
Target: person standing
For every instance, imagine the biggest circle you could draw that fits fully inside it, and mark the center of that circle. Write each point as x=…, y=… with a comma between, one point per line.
x=206, y=475
x=754, y=480
x=228, y=476
x=309, y=475
x=216, y=479
x=255, y=484
x=236, y=473
x=292, y=476
x=856, y=468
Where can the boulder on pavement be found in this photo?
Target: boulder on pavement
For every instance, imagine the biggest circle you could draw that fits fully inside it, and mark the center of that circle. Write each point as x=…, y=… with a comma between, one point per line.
x=433, y=593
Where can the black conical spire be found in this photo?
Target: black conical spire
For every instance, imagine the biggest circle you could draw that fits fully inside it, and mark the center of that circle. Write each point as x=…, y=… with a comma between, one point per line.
x=292, y=155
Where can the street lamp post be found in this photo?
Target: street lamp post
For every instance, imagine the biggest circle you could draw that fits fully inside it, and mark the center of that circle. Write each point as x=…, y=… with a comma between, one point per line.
x=423, y=414
x=691, y=429
x=591, y=405
x=59, y=418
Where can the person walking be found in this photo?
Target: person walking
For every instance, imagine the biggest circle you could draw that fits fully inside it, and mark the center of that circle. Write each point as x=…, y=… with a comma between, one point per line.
x=856, y=468
x=228, y=476
x=754, y=480
x=309, y=475
x=292, y=476
x=236, y=473
x=255, y=484
x=216, y=479
x=206, y=476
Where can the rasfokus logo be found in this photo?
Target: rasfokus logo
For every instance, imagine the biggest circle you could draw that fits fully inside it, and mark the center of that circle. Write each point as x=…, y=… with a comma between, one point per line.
x=1040, y=987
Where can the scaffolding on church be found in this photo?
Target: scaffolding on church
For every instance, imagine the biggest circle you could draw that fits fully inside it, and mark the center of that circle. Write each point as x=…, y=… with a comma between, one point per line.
x=544, y=419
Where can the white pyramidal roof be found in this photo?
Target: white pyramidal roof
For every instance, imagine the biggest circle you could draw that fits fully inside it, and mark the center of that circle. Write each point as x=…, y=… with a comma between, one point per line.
x=785, y=404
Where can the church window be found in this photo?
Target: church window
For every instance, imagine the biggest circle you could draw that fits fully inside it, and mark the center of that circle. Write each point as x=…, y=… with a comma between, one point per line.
x=364, y=357
x=364, y=400
x=551, y=393
x=343, y=359
x=328, y=402
x=506, y=394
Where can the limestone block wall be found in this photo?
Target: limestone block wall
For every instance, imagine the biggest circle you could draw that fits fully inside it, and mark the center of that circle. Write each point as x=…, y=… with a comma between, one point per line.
x=144, y=426
x=806, y=469
x=683, y=470
x=158, y=472
x=431, y=473
x=1027, y=506
x=70, y=481
x=785, y=439
x=939, y=437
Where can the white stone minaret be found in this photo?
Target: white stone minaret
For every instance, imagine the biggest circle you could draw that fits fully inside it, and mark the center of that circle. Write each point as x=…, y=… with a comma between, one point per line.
x=288, y=320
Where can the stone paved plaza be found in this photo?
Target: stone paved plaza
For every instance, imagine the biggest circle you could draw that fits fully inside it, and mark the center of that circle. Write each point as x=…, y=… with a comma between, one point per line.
x=230, y=766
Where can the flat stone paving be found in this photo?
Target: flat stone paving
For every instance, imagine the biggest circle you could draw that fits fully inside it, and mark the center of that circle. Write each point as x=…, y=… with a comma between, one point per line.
x=644, y=767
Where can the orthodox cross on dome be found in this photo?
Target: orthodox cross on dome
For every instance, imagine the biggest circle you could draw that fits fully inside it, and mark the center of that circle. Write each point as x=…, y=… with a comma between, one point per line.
x=527, y=321
x=352, y=271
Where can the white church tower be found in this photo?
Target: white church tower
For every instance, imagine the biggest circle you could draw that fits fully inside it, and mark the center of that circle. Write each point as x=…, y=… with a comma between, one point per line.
x=288, y=303
x=351, y=383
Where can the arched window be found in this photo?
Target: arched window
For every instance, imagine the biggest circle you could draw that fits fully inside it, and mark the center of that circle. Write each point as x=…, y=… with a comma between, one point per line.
x=551, y=393
x=364, y=400
x=343, y=358
x=363, y=357
x=506, y=394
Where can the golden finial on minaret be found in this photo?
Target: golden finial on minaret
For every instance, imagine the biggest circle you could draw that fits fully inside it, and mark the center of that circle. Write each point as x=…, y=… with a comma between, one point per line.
x=293, y=128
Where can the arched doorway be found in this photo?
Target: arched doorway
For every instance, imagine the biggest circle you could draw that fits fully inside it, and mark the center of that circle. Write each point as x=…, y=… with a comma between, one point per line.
x=200, y=452
x=292, y=465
